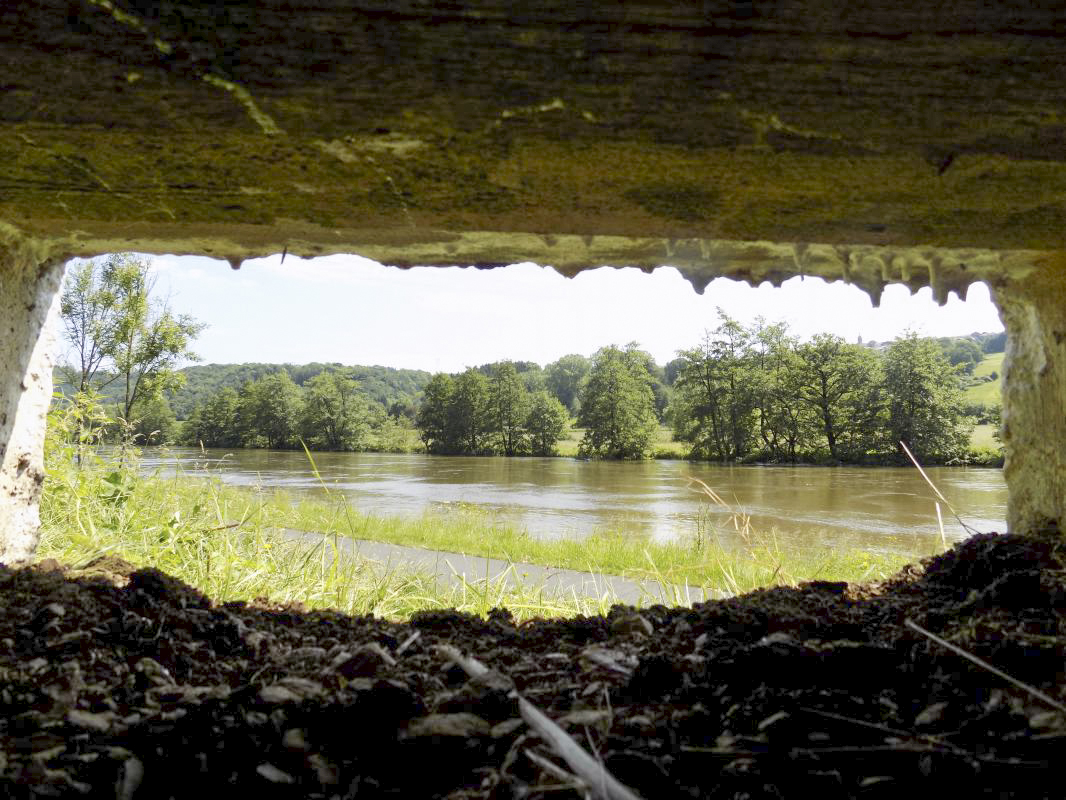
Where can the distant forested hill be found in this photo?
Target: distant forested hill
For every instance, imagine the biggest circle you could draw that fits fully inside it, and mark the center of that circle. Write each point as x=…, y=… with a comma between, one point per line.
x=398, y=390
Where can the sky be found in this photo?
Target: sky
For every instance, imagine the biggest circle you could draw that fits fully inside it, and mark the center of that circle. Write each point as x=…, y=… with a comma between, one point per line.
x=354, y=311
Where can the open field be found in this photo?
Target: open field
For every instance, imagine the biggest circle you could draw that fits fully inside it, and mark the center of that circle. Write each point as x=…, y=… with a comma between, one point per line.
x=663, y=444
x=987, y=393
x=983, y=437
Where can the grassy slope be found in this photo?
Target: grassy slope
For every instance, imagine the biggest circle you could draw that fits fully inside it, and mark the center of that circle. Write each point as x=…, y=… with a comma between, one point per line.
x=987, y=393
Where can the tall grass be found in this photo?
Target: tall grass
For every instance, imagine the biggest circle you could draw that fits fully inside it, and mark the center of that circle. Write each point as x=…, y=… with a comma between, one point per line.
x=228, y=543
x=225, y=542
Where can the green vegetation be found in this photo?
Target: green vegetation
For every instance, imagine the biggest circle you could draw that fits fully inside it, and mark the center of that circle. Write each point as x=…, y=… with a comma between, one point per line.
x=617, y=405
x=985, y=386
x=122, y=337
x=745, y=394
x=471, y=414
x=224, y=541
x=756, y=393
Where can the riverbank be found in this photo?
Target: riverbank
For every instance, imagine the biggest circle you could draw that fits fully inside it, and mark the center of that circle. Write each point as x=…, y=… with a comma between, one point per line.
x=984, y=451
x=222, y=540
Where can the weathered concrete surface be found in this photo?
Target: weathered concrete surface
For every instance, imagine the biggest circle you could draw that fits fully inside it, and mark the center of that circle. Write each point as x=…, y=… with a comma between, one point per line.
x=407, y=127
x=1034, y=397
x=28, y=300
x=875, y=142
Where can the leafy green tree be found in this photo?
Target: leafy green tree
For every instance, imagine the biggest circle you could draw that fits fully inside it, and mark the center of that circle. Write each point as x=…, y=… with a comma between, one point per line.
x=88, y=319
x=144, y=340
x=617, y=405
x=508, y=408
x=152, y=421
x=546, y=423
x=783, y=426
x=117, y=333
x=924, y=400
x=715, y=394
x=565, y=379
x=838, y=381
x=964, y=354
x=468, y=413
x=268, y=412
x=432, y=420
x=215, y=423
x=335, y=415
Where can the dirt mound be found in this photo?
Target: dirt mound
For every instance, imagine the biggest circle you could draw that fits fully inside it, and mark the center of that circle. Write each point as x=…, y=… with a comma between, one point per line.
x=126, y=683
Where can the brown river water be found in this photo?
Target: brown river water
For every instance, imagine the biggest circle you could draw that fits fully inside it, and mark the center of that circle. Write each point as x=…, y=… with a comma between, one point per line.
x=876, y=508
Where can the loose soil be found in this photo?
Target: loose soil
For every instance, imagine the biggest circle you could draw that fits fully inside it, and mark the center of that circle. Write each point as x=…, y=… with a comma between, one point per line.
x=119, y=682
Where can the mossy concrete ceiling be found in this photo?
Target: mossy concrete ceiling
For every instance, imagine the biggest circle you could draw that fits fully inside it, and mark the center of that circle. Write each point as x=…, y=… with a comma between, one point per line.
x=712, y=134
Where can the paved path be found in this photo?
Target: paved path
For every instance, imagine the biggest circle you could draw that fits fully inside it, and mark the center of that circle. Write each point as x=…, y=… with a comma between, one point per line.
x=451, y=569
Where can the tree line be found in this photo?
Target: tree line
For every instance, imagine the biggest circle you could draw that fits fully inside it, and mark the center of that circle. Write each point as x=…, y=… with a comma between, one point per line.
x=329, y=412
x=744, y=393
x=475, y=413
x=758, y=393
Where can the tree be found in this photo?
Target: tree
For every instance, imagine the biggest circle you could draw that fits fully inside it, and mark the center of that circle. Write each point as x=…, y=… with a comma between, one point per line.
x=468, y=413
x=152, y=420
x=965, y=354
x=714, y=392
x=546, y=423
x=335, y=415
x=508, y=408
x=432, y=419
x=215, y=423
x=783, y=425
x=268, y=411
x=146, y=341
x=924, y=400
x=565, y=379
x=617, y=405
x=88, y=320
x=835, y=381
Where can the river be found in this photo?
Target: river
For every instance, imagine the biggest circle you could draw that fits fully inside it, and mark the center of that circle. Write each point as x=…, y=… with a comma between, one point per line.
x=876, y=508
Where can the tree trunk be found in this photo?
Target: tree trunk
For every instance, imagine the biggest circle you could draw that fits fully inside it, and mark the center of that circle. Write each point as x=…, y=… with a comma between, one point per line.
x=1033, y=310
x=29, y=302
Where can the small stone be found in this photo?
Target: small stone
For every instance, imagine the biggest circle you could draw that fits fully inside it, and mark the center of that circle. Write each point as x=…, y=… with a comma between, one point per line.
x=154, y=671
x=306, y=654
x=326, y=772
x=274, y=775
x=294, y=739
x=130, y=778
x=100, y=723
x=1046, y=721
x=462, y=725
x=585, y=717
x=365, y=662
x=631, y=624
x=931, y=715
x=504, y=729
x=278, y=694
x=778, y=638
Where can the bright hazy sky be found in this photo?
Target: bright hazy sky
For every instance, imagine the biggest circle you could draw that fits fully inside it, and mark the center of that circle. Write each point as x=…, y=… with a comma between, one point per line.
x=354, y=311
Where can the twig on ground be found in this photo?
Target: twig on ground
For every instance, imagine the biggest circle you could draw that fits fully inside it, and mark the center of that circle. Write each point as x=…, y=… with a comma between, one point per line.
x=600, y=782
x=985, y=665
